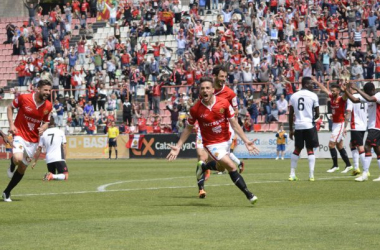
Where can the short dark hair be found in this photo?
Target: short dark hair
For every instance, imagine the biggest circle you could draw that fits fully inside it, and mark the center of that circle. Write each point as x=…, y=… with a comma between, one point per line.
x=369, y=86
x=42, y=83
x=334, y=86
x=217, y=69
x=305, y=80
x=206, y=79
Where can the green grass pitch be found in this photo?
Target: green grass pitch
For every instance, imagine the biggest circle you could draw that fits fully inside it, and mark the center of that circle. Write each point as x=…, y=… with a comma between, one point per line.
x=153, y=204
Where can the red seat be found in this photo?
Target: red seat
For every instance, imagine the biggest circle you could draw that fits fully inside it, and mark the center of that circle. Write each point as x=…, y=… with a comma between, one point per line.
x=273, y=127
x=264, y=127
x=256, y=127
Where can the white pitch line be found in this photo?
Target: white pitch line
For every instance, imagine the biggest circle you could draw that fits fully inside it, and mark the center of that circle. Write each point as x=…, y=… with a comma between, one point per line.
x=158, y=188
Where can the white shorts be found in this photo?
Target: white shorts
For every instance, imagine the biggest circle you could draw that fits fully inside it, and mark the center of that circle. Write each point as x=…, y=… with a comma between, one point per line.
x=198, y=140
x=27, y=148
x=219, y=150
x=337, y=132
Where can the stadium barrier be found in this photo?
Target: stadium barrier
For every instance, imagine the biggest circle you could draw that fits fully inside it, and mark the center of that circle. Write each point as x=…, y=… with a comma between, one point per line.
x=267, y=145
x=94, y=147
x=157, y=146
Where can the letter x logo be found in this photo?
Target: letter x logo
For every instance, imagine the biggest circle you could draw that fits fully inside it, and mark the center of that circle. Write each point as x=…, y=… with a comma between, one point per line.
x=147, y=146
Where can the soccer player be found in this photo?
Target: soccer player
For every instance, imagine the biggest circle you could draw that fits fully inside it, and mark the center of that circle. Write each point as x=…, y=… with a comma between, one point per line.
x=31, y=121
x=214, y=115
x=221, y=90
x=304, y=106
x=373, y=138
x=356, y=115
x=113, y=133
x=338, y=107
x=54, y=141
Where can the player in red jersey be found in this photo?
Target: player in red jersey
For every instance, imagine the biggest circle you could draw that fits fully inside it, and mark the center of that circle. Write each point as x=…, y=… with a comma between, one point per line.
x=31, y=121
x=338, y=107
x=221, y=90
x=214, y=115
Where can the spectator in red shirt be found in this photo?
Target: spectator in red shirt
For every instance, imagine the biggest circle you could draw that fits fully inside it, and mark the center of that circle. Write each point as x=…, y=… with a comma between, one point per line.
x=142, y=125
x=21, y=73
x=157, y=97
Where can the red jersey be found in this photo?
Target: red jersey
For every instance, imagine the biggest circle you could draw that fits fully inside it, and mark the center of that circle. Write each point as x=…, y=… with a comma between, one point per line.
x=142, y=124
x=331, y=34
x=213, y=121
x=338, y=107
x=30, y=116
x=228, y=94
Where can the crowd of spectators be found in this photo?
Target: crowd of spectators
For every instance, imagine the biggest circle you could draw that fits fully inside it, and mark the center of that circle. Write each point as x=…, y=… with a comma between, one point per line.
x=267, y=46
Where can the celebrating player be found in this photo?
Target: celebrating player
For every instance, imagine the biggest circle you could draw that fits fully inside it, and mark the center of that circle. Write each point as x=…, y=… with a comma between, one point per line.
x=224, y=92
x=356, y=115
x=214, y=115
x=373, y=139
x=304, y=106
x=54, y=141
x=338, y=106
x=33, y=110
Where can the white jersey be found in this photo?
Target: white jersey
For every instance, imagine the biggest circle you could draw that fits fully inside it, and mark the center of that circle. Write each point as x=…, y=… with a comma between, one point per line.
x=373, y=112
x=358, y=113
x=303, y=103
x=53, y=139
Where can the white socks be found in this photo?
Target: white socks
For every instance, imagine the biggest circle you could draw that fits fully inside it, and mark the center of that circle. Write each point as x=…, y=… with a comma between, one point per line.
x=355, y=158
x=234, y=158
x=311, y=158
x=60, y=177
x=293, y=164
x=367, y=163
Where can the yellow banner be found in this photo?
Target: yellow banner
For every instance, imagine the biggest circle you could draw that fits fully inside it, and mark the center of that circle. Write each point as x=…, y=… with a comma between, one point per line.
x=94, y=147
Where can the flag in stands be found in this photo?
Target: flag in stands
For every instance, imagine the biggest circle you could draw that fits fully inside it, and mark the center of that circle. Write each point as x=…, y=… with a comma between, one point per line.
x=135, y=141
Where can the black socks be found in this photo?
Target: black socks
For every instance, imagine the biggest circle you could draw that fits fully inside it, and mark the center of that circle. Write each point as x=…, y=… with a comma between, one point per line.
x=240, y=183
x=344, y=156
x=334, y=156
x=14, y=181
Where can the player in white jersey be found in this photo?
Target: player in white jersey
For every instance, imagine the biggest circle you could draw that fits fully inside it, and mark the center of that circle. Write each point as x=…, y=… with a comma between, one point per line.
x=304, y=106
x=356, y=116
x=54, y=141
x=373, y=139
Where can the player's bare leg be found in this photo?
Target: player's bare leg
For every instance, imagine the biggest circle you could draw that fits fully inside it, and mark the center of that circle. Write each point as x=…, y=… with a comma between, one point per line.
x=17, y=176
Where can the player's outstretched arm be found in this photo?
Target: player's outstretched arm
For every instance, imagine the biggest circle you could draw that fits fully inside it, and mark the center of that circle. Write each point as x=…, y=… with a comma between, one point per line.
x=363, y=94
x=12, y=127
x=175, y=149
x=36, y=156
x=250, y=145
x=5, y=138
x=321, y=86
x=349, y=95
x=43, y=127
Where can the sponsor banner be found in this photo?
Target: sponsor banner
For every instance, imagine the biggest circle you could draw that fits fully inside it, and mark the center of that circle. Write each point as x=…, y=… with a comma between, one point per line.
x=267, y=144
x=157, y=146
x=94, y=147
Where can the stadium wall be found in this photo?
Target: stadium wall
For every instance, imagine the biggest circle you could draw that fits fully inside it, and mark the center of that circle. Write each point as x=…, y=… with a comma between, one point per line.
x=12, y=8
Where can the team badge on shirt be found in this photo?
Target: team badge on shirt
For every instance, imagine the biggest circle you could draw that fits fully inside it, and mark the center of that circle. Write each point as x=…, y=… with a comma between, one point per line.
x=221, y=110
x=46, y=112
